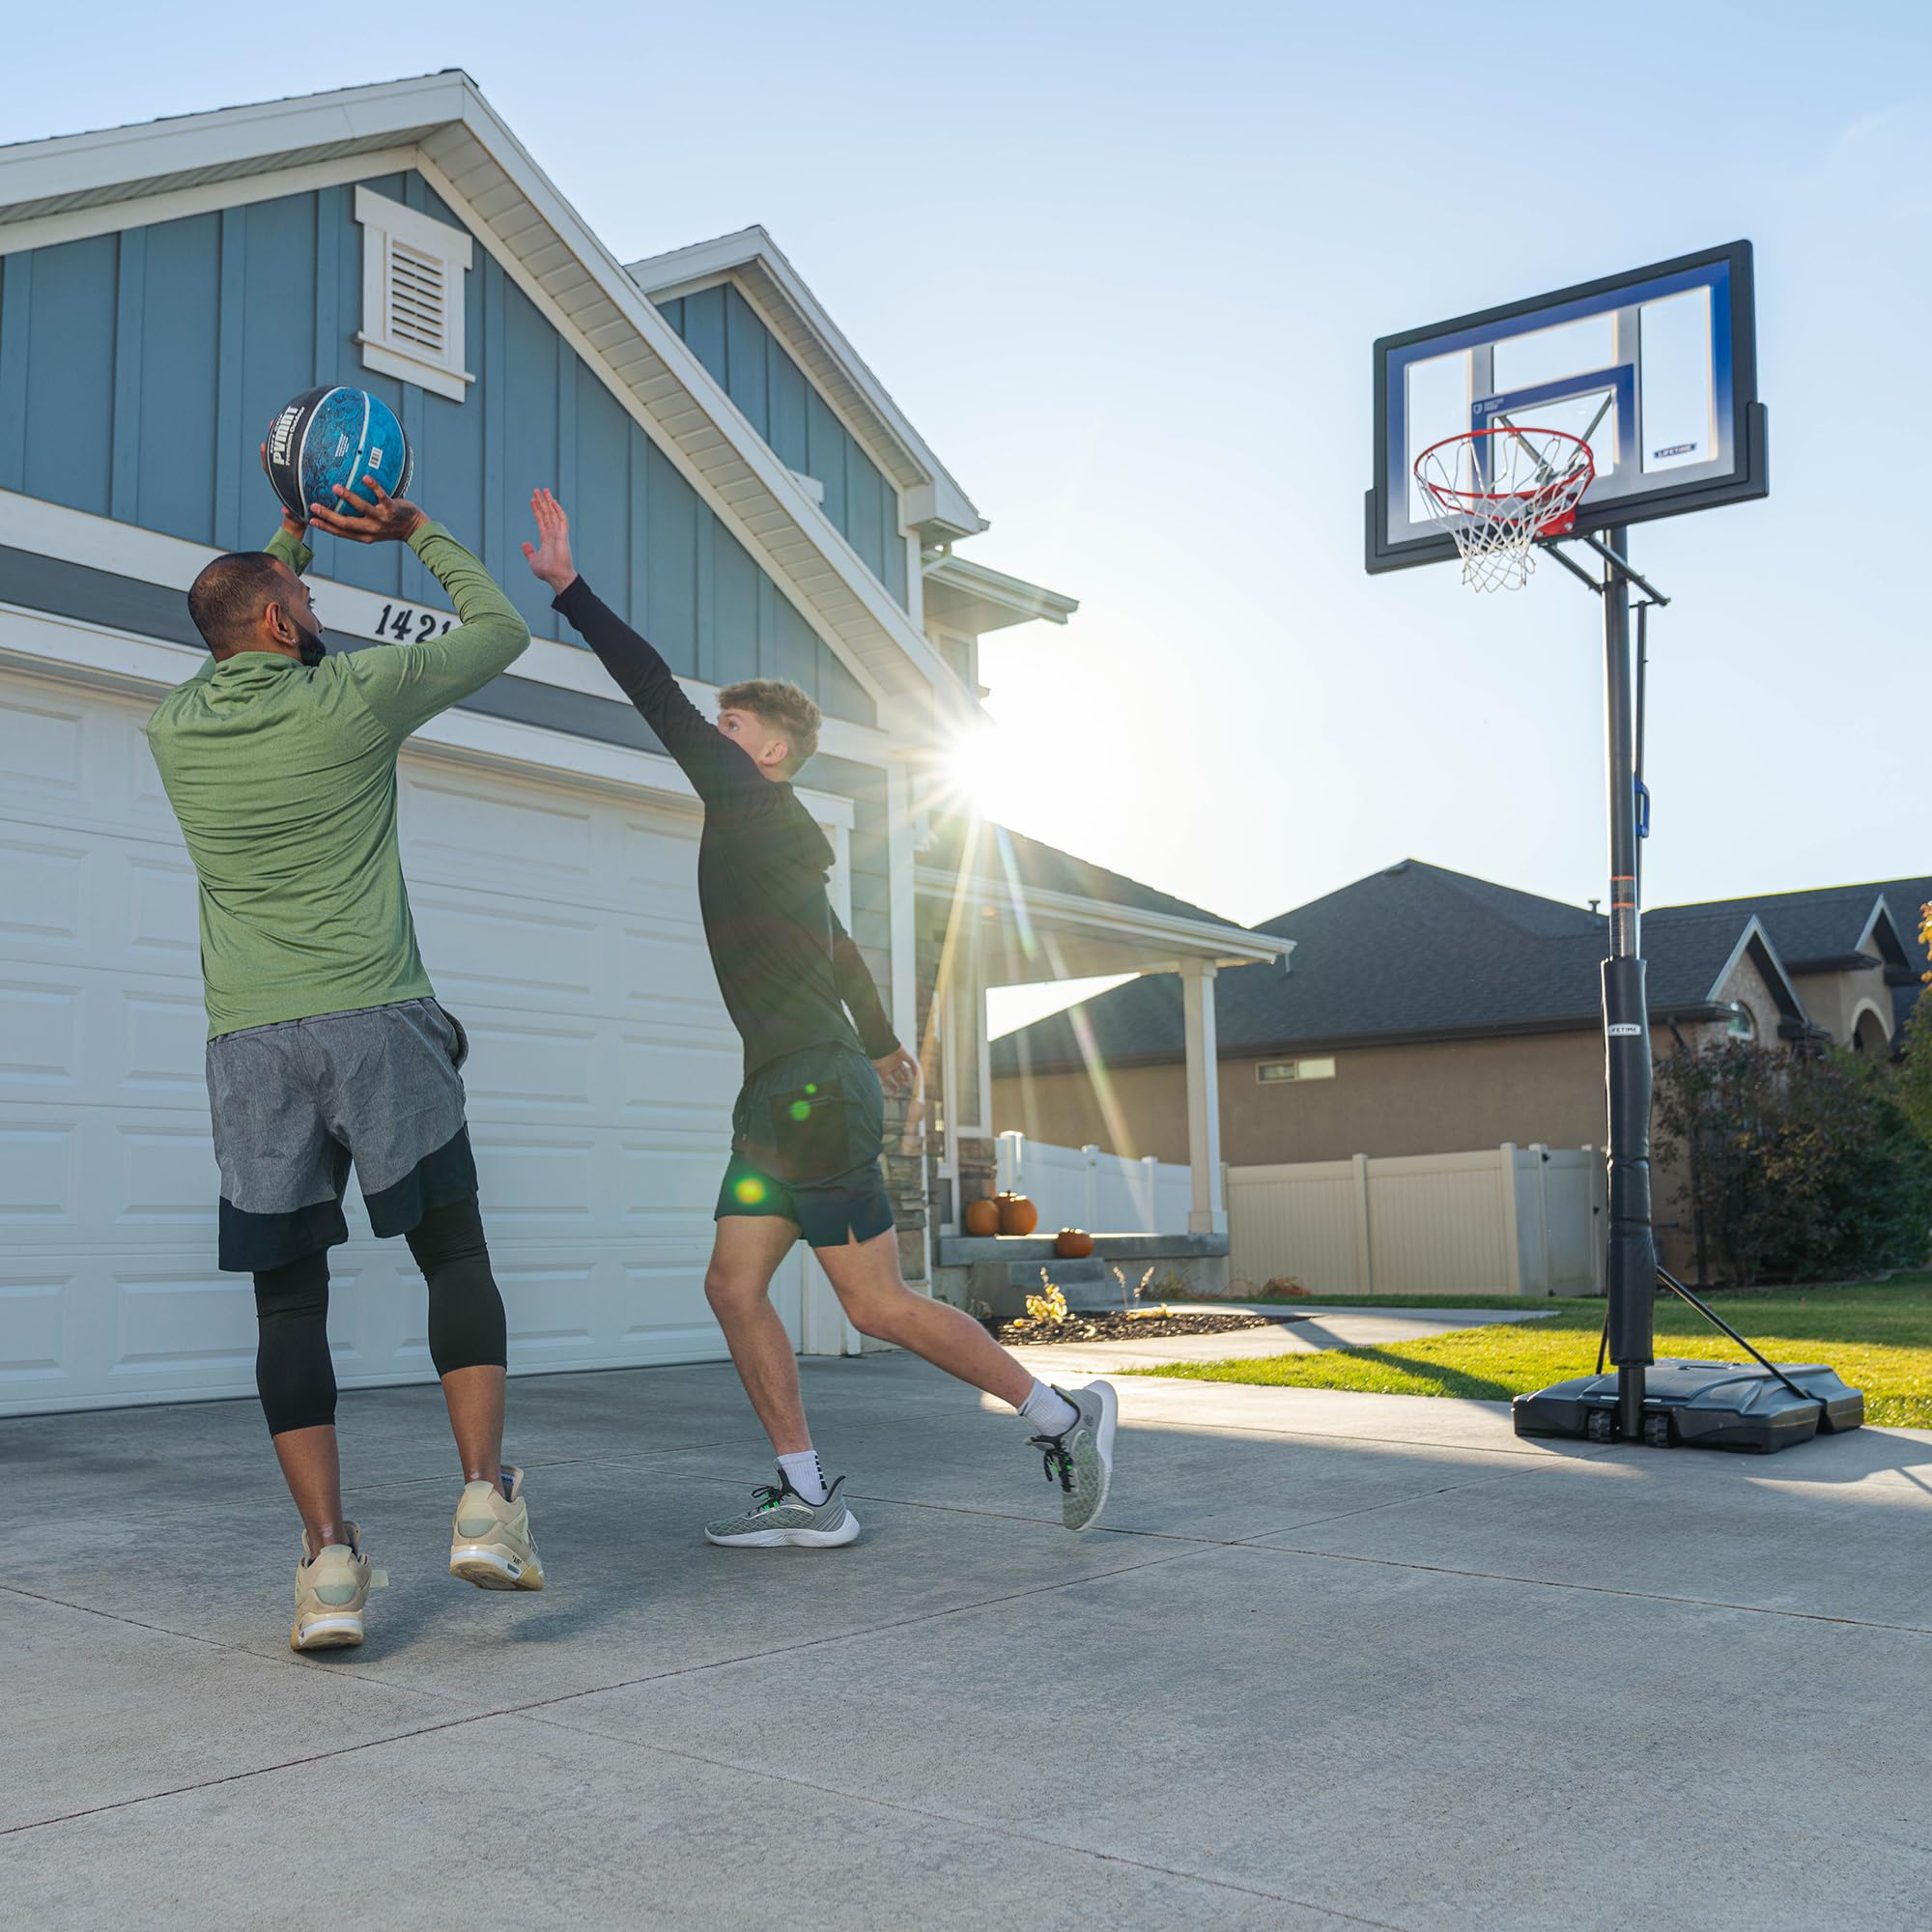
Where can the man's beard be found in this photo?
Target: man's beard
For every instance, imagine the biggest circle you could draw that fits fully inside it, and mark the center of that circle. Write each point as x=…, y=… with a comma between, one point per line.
x=310, y=645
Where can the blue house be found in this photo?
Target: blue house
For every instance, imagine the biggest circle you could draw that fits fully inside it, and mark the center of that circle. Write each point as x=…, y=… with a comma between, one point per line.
x=742, y=486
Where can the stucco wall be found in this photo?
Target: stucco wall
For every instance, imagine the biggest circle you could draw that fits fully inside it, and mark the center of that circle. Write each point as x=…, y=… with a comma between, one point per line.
x=1833, y=999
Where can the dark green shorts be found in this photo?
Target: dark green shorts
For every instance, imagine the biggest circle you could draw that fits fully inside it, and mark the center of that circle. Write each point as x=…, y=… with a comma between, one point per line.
x=806, y=1137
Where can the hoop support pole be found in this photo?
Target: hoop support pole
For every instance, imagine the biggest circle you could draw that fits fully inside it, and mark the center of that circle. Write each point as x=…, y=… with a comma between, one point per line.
x=1615, y=558
x=1631, y=1274
x=1571, y=564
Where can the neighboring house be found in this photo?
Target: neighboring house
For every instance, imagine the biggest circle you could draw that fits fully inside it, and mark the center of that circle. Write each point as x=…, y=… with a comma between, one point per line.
x=1423, y=1011
x=742, y=487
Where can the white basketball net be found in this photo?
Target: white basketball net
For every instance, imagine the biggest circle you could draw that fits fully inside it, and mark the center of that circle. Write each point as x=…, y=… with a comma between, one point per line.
x=1498, y=490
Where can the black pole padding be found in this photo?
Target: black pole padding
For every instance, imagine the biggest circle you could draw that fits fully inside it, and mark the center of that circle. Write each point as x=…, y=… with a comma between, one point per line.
x=1633, y=1255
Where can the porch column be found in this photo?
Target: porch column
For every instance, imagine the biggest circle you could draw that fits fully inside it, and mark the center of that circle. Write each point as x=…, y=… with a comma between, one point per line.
x=1206, y=1216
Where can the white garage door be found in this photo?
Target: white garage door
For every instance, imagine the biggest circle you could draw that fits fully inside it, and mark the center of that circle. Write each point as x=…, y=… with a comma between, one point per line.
x=560, y=926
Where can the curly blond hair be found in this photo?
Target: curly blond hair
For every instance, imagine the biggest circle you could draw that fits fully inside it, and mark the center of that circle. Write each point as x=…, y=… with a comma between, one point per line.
x=785, y=707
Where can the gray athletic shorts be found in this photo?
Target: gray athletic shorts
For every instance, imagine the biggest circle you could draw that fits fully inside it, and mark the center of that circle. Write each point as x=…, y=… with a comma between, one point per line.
x=294, y=1103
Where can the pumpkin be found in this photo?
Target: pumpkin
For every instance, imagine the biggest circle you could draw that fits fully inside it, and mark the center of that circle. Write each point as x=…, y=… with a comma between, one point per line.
x=1074, y=1244
x=1017, y=1214
x=983, y=1217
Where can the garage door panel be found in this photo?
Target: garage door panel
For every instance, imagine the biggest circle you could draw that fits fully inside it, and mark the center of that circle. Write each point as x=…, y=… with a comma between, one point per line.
x=40, y=1176
x=655, y=854
x=677, y=1082
x=163, y=1056
x=542, y=843
x=41, y=891
x=152, y=900
x=187, y=1324
x=666, y=968
x=549, y=1069
x=164, y=1177
x=664, y=1307
x=33, y=1334
x=668, y=1191
x=43, y=743
x=487, y=949
x=39, y=1039
x=524, y=1181
x=550, y=1309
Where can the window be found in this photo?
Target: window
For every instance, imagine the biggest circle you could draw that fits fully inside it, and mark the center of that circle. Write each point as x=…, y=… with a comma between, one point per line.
x=412, y=271
x=1742, y=1024
x=1269, y=1072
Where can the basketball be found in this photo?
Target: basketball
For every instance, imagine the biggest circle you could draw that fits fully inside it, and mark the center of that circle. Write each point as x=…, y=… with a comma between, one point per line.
x=332, y=436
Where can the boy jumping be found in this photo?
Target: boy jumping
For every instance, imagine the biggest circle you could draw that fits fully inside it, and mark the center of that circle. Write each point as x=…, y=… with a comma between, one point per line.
x=810, y=1121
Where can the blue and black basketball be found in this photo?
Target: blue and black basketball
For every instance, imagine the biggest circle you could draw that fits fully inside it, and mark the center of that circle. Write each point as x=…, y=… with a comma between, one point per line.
x=336, y=435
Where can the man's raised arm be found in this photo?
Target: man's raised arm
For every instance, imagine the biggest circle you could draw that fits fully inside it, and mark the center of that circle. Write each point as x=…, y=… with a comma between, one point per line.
x=406, y=685
x=713, y=763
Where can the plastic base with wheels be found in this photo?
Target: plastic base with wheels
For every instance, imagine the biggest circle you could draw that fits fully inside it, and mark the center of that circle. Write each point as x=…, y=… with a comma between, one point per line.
x=1701, y=1405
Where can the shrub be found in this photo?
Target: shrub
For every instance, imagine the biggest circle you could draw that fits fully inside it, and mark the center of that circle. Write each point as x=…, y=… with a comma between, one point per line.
x=1799, y=1165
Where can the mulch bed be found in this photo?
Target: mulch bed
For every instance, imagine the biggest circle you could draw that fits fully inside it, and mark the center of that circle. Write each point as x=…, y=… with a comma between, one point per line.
x=1116, y=1327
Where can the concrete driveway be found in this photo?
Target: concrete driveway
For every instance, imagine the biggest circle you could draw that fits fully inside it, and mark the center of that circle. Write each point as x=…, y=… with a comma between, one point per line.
x=1335, y=1661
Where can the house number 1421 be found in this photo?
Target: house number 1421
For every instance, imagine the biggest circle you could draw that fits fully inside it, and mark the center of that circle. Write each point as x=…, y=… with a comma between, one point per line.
x=410, y=627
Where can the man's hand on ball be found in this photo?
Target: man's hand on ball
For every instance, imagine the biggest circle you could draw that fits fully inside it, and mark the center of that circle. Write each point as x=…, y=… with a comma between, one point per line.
x=383, y=517
x=294, y=526
x=897, y=1071
x=548, y=558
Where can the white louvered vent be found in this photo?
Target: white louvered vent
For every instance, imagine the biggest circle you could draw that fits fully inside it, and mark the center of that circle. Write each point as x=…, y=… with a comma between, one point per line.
x=413, y=276
x=416, y=284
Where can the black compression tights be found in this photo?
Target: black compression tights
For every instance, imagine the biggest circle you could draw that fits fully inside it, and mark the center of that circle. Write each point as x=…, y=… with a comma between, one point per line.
x=293, y=1371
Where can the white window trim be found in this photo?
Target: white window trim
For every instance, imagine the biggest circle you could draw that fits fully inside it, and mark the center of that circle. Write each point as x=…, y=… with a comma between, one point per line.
x=383, y=221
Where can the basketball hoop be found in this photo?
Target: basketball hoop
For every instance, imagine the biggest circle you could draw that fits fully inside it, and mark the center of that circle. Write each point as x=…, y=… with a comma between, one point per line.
x=1498, y=491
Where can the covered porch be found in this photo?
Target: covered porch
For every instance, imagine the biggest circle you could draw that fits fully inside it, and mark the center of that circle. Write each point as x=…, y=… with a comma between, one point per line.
x=998, y=909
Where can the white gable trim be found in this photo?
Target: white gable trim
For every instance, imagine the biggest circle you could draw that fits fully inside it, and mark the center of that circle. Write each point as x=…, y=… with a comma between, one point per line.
x=477, y=164
x=931, y=497
x=80, y=224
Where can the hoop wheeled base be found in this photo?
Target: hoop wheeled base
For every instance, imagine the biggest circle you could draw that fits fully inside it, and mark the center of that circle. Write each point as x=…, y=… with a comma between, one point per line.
x=1701, y=1405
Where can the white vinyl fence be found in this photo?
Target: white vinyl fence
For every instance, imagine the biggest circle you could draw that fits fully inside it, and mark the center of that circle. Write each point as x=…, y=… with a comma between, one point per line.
x=1104, y=1193
x=1507, y=1220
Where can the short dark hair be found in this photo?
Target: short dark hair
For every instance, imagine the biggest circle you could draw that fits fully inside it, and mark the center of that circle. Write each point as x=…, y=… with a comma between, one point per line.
x=231, y=593
x=785, y=707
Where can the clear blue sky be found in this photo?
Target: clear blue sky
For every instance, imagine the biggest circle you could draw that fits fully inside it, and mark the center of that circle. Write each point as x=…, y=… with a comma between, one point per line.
x=1123, y=265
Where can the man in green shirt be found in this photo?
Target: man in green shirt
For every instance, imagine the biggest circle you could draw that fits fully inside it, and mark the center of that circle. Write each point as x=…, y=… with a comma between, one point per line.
x=326, y=1041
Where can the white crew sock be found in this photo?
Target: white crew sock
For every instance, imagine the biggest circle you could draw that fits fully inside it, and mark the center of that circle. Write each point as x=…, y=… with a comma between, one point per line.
x=803, y=1473
x=1049, y=1411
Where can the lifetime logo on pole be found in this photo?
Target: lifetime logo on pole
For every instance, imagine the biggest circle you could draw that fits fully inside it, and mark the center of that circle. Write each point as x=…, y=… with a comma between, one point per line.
x=1624, y=1030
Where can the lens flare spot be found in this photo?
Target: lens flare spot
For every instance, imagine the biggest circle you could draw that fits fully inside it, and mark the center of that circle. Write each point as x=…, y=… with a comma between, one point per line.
x=801, y=1110
x=750, y=1190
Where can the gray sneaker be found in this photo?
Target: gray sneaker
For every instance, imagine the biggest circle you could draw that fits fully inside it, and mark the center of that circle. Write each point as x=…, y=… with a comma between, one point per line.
x=778, y=1515
x=1081, y=1460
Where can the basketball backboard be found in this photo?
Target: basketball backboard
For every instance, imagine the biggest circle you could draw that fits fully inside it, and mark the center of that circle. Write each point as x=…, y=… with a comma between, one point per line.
x=1656, y=370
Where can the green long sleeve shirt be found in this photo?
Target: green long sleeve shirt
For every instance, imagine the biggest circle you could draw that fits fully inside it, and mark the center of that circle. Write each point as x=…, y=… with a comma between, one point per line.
x=283, y=779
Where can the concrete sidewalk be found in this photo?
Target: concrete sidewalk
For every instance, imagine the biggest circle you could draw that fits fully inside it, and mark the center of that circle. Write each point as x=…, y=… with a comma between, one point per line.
x=1334, y=1660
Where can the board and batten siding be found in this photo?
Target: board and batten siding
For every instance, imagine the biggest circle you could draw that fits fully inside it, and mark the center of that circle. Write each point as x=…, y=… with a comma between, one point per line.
x=758, y=372
x=139, y=371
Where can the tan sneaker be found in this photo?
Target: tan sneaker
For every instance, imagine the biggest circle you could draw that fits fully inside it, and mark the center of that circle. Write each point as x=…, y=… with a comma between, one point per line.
x=490, y=1544
x=332, y=1587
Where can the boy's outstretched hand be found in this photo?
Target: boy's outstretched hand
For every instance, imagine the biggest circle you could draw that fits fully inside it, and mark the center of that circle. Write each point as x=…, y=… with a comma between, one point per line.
x=550, y=556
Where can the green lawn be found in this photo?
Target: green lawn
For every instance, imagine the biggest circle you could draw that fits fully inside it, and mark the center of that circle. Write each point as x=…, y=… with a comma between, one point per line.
x=1878, y=1337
